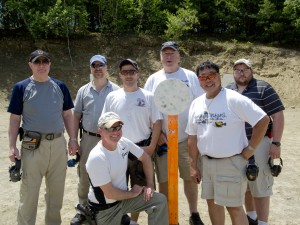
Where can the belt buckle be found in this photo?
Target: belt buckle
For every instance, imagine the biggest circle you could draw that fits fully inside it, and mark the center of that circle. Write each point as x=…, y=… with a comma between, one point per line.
x=49, y=137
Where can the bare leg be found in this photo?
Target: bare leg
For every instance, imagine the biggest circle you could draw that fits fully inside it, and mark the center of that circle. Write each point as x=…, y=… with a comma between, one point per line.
x=237, y=215
x=262, y=208
x=216, y=213
x=249, y=202
x=135, y=216
x=191, y=193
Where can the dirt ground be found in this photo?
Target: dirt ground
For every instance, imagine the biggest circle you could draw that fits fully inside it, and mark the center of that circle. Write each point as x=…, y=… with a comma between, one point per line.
x=280, y=67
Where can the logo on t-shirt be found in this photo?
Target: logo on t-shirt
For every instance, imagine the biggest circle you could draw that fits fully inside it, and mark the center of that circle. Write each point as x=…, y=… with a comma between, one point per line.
x=215, y=119
x=140, y=102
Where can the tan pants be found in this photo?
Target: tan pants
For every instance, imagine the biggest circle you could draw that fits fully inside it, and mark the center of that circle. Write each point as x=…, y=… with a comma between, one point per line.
x=49, y=161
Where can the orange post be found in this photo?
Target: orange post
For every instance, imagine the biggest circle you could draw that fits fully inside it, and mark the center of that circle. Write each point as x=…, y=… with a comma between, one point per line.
x=173, y=169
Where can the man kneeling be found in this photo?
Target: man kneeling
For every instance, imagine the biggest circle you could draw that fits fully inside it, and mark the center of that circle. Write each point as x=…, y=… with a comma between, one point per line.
x=106, y=167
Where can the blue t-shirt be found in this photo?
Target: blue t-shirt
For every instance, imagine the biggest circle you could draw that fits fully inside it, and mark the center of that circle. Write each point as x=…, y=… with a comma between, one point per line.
x=41, y=104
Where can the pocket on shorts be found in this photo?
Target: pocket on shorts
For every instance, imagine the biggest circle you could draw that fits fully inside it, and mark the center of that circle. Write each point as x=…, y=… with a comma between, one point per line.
x=228, y=187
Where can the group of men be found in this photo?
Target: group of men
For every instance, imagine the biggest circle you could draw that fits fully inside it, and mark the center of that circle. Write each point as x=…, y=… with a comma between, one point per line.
x=122, y=131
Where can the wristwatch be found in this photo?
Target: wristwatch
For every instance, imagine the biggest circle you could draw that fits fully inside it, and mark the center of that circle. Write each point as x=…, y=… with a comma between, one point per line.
x=250, y=148
x=277, y=143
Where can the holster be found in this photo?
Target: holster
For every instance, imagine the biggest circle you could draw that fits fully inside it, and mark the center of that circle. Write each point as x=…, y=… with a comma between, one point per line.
x=31, y=140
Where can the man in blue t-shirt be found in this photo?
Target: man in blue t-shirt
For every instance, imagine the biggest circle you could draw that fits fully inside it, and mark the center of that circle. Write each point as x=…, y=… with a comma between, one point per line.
x=42, y=106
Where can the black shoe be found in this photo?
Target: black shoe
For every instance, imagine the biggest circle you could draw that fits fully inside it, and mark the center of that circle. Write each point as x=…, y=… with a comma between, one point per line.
x=252, y=222
x=125, y=220
x=195, y=219
x=78, y=219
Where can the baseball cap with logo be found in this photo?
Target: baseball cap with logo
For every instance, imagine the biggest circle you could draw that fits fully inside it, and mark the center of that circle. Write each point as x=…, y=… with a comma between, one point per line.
x=108, y=119
x=169, y=44
x=99, y=58
x=247, y=62
x=38, y=53
x=129, y=61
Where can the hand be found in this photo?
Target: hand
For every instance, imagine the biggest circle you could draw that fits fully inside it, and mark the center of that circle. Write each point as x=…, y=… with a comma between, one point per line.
x=136, y=190
x=246, y=153
x=148, y=193
x=275, y=152
x=73, y=147
x=162, y=139
x=195, y=175
x=14, y=154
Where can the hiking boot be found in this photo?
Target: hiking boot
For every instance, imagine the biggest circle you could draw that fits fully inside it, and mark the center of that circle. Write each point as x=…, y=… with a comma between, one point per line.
x=78, y=219
x=252, y=221
x=125, y=220
x=195, y=219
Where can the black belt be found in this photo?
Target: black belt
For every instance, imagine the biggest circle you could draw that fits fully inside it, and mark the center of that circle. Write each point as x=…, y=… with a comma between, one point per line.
x=101, y=207
x=49, y=136
x=209, y=157
x=91, y=133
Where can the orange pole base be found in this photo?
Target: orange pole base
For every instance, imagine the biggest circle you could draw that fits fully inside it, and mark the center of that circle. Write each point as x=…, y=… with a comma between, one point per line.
x=173, y=168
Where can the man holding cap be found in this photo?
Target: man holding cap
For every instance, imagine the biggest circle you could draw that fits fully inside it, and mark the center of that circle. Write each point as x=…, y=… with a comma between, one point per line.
x=170, y=59
x=142, y=119
x=109, y=196
x=43, y=105
x=88, y=107
x=268, y=100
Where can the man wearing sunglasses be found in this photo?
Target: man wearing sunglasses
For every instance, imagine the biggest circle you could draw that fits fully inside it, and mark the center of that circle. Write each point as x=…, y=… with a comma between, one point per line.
x=170, y=59
x=142, y=119
x=109, y=196
x=216, y=132
x=43, y=106
x=87, y=110
x=268, y=100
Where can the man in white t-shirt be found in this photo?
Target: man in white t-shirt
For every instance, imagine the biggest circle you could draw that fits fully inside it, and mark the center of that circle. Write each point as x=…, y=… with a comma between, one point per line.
x=109, y=196
x=142, y=119
x=170, y=59
x=216, y=129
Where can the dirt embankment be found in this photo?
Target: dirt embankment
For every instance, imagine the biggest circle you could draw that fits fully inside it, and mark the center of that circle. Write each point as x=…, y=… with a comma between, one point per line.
x=280, y=67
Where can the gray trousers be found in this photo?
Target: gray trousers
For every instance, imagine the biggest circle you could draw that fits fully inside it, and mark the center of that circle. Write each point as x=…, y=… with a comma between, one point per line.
x=156, y=208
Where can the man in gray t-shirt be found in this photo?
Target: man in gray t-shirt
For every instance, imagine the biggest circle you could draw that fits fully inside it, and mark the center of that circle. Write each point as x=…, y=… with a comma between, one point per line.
x=88, y=107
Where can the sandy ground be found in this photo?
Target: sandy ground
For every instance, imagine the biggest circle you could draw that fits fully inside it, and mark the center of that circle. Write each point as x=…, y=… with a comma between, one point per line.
x=285, y=203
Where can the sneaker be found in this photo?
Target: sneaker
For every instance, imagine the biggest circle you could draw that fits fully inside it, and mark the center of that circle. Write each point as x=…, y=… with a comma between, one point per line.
x=125, y=220
x=78, y=219
x=252, y=221
x=195, y=219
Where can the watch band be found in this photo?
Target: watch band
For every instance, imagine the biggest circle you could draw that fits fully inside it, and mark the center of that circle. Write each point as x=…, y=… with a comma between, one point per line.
x=277, y=143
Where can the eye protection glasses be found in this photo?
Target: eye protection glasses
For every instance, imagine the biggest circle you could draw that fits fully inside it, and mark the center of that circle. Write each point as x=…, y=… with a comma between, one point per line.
x=243, y=71
x=94, y=65
x=117, y=128
x=210, y=76
x=128, y=72
x=43, y=62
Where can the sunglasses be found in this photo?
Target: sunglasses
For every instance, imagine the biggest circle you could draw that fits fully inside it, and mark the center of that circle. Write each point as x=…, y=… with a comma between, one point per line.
x=238, y=71
x=44, y=62
x=94, y=65
x=117, y=128
x=128, y=72
x=210, y=76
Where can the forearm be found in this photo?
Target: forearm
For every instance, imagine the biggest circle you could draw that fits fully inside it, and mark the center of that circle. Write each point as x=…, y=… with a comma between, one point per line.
x=69, y=124
x=148, y=169
x=258, y=132
x=156, y=130
x=193, y=150
x=277, y=126
x=13, y=130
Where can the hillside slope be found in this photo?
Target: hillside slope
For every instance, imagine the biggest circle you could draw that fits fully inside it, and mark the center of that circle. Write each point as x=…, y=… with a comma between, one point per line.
x=280, y=67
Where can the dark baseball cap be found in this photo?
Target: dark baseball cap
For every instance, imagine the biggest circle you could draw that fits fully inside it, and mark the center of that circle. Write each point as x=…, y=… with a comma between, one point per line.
x=129, y=61
x=170, y=44
x=38, y=53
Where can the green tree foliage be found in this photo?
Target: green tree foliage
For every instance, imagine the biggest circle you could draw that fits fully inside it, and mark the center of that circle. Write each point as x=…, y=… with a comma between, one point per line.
x=183, y=21
x=255, y=20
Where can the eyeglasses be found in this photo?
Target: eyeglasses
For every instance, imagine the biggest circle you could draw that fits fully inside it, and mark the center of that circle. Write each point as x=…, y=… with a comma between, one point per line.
x=44, y=62
x=128, y=72
x=111, y=129
x=237, y=71
x=210, y=76
x=94, y=65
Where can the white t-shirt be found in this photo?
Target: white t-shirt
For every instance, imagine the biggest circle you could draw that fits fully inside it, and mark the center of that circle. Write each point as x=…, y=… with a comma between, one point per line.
x=219, y=123
x=190, y=79
x=104, y=166
x=136, y=109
